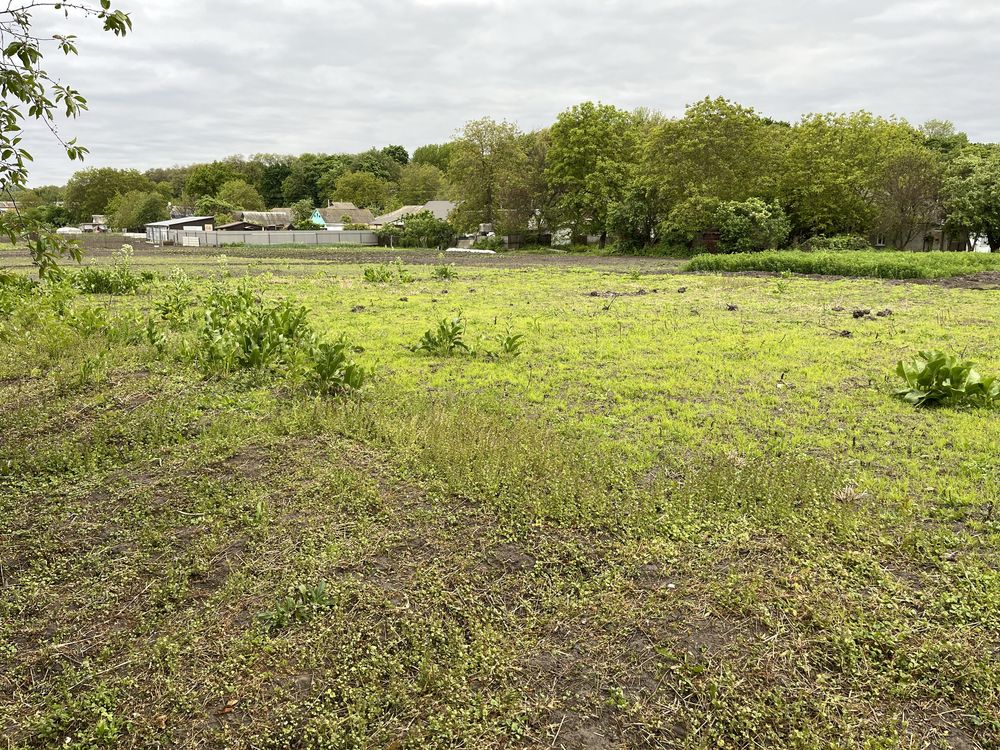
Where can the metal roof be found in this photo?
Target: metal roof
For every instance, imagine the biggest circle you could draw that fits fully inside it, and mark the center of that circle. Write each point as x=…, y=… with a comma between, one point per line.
x=182, y=221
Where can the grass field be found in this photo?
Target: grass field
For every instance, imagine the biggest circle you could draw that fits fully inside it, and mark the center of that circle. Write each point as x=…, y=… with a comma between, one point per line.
x=688, y=515
x=874, y=264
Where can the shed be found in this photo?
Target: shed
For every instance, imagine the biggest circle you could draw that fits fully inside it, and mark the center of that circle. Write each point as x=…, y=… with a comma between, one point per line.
x=268, y=220
x=159, y=231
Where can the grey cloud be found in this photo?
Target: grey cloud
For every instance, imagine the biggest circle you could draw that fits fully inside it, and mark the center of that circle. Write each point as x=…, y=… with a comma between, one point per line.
x=199, y=80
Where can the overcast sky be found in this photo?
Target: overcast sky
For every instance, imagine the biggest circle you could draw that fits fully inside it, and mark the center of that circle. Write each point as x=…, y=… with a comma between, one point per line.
x=200, y=80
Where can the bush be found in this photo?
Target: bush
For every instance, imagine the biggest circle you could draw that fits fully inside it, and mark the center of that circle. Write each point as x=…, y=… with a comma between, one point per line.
x=873, y=264
x=496, y=244
x=937, y=379
x=837, y=243
x=421, y=229
x=116, y=279
x=751, y=226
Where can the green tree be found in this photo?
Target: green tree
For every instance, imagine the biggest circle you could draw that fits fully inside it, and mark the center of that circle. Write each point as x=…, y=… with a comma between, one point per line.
x=302, y=212
x=718, y=151
x=419, y=183
x=910, y=200
x=972, y=193
x=835, y=170
x=363, y=189
x=272, y=177
x=334, y=168
x=423, y=229
x=398, y=154
x=378, y=163
x=487, y=168
x=131, y=211
x=751, y=225
x=435, y=154
x=242, y=195
x=591, y=148
x=29, y=92
x=207, y=179
x=89, y=191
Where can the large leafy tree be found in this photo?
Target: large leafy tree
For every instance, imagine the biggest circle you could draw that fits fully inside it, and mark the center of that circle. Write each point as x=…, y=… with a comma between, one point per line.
x=364, y=190
x=835, y=170
x=419, y=183
x=436, y=154
x=910, y=201
x=241, y=194
x=487, y=169
x=972, y=193
x=587, y=167
x=29, y=92
x=131, y=211
x=718, y=151
x=89, y=191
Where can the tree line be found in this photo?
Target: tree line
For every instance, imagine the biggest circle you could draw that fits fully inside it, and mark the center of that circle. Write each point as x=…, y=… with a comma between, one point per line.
x=637, y=178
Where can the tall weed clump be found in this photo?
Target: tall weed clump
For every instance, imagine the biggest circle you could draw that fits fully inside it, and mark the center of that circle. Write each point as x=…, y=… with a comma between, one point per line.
x=118, y=278
x=240, y=333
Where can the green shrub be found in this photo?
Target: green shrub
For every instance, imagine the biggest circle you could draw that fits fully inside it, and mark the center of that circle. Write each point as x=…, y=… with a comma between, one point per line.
x=445, y=340
x=751, y=226
x=494, y=243
x=874, y=264
x=838, y=243
x=240, y=333
x=118, y=278
x=938, y=379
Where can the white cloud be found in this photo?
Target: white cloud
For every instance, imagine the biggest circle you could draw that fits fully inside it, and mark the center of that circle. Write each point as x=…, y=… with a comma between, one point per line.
x=198, y=80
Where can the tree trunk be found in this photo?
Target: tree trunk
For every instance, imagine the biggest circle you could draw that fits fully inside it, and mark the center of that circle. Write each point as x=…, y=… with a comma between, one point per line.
x=994, y=239
x=604, y=239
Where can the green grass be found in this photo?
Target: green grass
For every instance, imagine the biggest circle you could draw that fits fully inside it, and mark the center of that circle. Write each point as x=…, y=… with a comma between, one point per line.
x=874, y=264
x=684, y=520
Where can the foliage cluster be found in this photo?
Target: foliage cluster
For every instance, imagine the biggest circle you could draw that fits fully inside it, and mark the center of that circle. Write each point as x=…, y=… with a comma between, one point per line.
x=874, y=264
x=934, y=378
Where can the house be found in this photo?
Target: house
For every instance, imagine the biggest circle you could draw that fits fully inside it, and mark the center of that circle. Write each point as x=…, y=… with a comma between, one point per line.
x=7, y=207
x=440, y=209
x=332, y=217
x=253, y=221
x=97, y=223
x=159, y=231
x=928, y=237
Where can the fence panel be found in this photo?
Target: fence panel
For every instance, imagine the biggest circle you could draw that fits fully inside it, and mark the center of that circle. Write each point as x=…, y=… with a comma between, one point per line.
x=221, y=239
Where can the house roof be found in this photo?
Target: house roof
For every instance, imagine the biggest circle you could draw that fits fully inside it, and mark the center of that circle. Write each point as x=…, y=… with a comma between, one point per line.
x=333, y=213
x=440, y=209
x=275, y=218
x=400, y=213
x=181, y=222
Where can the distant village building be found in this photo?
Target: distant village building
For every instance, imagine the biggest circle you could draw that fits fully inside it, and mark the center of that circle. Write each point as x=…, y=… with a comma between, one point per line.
x=333, y=216
x=441, y=210
x=7, y=207
x=158, y=232
x=254, y=221
x=97, y=223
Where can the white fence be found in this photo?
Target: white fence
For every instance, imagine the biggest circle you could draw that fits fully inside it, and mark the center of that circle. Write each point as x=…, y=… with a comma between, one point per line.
x=190, y=238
